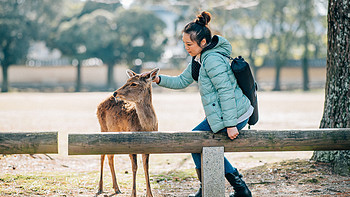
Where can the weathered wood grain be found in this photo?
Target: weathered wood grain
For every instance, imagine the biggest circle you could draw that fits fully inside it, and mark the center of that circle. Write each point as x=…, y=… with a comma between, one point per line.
x=193, y=141
x=28, y=143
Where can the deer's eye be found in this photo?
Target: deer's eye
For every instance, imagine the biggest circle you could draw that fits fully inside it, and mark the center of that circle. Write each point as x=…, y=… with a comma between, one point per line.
x=133, y=84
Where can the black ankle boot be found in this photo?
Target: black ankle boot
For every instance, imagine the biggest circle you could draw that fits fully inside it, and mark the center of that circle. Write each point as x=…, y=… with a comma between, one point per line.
x=241, y=189
x=199, y=192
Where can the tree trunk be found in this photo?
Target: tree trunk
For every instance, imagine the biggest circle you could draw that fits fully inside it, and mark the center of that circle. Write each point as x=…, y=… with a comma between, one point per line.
x=110, y=76
x=5, y=84
x=305, y=62
x=78, y=82
x=281, y=51
x=306, y=11
x=337, y=102
x=277, y=86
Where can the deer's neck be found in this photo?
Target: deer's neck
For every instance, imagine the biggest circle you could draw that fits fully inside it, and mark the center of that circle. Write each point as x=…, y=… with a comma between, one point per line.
x=146, y=113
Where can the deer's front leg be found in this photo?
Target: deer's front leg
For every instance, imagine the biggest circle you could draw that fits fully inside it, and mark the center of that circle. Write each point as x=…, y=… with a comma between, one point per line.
x=114, y=178
x=133, y=158
x=100, y=184
x=145, y=160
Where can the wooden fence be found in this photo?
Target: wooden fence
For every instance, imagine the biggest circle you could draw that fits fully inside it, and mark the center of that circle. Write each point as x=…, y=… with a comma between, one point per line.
x=28, y=142
x=211, y=146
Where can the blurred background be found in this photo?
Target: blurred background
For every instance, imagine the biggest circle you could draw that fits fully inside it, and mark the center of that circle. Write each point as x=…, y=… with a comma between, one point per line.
x=63, y=47
x=77, y=45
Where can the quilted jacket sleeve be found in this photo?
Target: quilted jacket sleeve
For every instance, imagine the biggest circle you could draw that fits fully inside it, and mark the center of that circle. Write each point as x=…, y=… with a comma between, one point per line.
x=177, y=82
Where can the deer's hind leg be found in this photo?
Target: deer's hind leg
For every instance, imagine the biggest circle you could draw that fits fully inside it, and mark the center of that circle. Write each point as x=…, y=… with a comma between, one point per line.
x=133, y=158
x=145, y=161
x=114, y=178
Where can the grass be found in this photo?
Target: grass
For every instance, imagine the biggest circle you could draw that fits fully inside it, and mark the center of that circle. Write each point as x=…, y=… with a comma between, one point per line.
x=174, y=176
x=299, y=176
x=82, y=184
x=47, y=184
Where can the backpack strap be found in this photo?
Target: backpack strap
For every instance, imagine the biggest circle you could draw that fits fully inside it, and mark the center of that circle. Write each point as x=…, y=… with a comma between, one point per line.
x=229, y=57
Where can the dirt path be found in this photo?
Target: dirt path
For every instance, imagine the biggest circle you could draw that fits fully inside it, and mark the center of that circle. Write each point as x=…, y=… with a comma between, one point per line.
x=172, y=174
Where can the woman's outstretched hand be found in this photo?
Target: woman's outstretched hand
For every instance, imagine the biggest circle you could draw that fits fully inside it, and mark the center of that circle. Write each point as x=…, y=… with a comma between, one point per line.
x=232, y=132
x=156, y=79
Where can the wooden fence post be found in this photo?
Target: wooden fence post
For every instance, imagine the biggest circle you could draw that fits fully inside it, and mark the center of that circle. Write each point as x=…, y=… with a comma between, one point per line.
x=213, y=181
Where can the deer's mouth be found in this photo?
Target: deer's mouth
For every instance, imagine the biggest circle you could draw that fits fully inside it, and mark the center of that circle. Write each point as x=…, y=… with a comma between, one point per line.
x=119, y=97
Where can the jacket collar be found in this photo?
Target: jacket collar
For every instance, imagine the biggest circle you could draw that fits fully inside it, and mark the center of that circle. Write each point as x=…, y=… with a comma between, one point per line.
x=212, y=44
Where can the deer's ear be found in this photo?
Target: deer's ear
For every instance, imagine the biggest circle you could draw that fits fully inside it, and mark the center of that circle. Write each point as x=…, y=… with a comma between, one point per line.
x=130, y=73
x=154, y=73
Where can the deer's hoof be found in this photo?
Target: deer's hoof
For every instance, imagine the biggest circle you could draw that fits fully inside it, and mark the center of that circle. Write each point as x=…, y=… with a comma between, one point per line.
x=149, y=195
x=117, y=191
x=100, y=191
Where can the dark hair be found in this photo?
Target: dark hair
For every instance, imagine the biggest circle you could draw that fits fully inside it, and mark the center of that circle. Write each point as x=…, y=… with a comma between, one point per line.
x=198, y=29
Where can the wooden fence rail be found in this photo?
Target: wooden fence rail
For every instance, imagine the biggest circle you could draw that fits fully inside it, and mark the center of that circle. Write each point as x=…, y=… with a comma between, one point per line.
x=194, y=141
x=211, y=146
x=28, y=142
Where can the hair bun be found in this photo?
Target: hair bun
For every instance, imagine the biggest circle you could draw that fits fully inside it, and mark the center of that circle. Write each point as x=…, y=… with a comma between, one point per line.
x=203, y=18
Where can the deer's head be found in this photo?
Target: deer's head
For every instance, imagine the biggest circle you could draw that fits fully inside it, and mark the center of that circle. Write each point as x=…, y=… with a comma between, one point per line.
x=137, y=87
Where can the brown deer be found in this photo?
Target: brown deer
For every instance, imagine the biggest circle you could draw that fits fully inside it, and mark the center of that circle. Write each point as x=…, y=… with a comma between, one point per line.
x=129, y=109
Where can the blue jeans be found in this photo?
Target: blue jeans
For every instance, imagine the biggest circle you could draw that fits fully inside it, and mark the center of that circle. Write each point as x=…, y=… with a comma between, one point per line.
x=204, y=126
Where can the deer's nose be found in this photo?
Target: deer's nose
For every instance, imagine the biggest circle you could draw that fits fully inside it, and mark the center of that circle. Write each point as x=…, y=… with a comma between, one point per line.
x=115, y=94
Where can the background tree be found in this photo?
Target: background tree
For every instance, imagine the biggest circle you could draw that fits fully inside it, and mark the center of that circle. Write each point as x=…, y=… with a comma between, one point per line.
x=22, y=22
x=252, y=38
x=336, y=112
x=244, y=28
x=140, y=35
x=85, y=31
x=136, y=38
x=305, y=14
x=281, y=37
x=309, y=34
x=112, y=34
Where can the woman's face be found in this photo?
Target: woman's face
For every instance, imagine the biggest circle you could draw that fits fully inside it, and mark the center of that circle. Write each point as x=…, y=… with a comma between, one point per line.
x=191, y=46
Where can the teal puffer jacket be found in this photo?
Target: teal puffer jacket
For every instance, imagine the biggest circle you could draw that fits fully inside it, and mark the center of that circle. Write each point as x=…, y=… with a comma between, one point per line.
x=222, y=99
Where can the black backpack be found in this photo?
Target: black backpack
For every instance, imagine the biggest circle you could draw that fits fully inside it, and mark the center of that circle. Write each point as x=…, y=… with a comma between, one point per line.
x=246, y=82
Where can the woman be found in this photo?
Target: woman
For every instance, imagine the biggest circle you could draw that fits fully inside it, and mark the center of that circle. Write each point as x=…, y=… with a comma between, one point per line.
x=226, y=108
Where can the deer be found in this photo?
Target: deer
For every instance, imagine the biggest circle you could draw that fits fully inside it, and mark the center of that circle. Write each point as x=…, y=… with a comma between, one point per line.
x=129, y=109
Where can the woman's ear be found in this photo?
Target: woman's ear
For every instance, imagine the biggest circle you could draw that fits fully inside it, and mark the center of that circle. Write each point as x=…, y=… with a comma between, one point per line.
x=203, y=43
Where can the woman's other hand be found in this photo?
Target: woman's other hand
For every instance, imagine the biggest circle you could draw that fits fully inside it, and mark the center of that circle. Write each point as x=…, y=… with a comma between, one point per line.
x=232, y=132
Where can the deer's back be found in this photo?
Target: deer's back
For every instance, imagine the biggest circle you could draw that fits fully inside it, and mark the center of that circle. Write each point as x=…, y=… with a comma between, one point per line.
x=117, y=115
